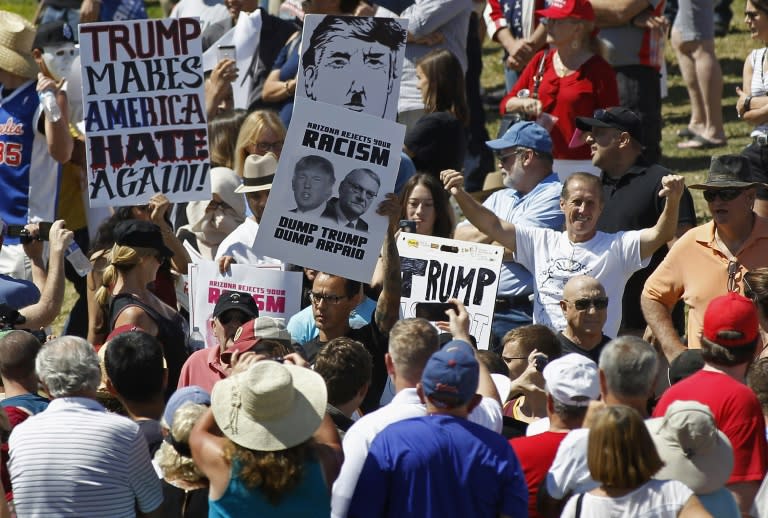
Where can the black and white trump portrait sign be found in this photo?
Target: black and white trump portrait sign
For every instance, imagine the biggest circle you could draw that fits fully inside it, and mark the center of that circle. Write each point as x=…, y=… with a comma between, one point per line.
x=144, y=111
x=354, y=62
x=336, y=166
x=436, y=269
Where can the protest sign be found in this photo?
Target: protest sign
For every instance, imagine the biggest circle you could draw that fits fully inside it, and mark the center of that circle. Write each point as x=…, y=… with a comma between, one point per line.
x=335, y=168
x=244, y=36
x=353, y=61
x=277, y=293
x=435, y=269
x=144, y=111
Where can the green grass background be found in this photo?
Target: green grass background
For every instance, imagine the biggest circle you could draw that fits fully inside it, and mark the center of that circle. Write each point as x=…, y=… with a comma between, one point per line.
x=731, y=51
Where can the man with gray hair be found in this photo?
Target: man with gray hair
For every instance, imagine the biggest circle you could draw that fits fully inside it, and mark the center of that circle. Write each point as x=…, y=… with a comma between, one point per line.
x=411, y=343
x=75, y=459
x=628, y=368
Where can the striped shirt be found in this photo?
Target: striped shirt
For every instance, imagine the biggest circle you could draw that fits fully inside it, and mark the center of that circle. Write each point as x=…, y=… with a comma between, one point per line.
x=75, y=459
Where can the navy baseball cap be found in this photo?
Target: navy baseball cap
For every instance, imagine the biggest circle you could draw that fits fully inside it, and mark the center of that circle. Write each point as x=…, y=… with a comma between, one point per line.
x=524, y=134
x=451, y=375
x=240, y=300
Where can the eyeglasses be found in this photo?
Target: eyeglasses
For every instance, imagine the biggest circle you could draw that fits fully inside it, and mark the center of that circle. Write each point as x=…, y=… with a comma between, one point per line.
x=724, y=194
x=317, y=298
x=584, y=304
x=357, y=190
x=264, y=147
x=508, y=359
x=512, y=154
x=733, y=269
x=751, y=14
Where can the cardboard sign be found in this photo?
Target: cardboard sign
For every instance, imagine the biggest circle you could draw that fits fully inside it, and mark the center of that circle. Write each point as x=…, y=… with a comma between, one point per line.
x=436, y=269
x=335, y=169
x=144, y=111
x=277, y=293
x=352, y=61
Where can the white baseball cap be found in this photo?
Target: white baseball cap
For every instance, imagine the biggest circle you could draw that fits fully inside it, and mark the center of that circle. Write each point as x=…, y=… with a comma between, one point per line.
x=572, y=380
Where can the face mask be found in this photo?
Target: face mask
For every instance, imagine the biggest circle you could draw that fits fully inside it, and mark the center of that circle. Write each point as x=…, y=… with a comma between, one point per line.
x=59, y=59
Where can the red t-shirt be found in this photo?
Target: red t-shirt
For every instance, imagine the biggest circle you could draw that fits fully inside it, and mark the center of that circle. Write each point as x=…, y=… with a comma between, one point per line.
x=579, y=94
x=536, y=454
x=737, y=414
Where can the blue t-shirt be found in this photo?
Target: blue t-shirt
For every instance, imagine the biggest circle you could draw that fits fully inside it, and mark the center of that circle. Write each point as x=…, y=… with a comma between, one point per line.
x=439, y=466
x=287, y=62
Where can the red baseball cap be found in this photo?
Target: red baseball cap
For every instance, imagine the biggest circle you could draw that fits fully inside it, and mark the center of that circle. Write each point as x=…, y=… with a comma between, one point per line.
x=731, y=314
x=558, y=9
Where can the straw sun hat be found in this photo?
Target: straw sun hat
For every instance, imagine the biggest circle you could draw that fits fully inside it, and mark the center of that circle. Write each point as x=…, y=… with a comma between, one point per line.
x=16, y=37
x=270, y=407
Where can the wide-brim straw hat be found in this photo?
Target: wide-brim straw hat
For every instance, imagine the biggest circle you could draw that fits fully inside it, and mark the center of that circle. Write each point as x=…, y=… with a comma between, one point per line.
x=271, y=406
x=16, y=38
x=694, y=451
x=258, y=173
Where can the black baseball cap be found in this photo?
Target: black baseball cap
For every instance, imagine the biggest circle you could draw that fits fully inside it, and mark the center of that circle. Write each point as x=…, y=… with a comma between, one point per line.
x=144, y=234
x=619, y=117
x=239, y=300
x=53, y=33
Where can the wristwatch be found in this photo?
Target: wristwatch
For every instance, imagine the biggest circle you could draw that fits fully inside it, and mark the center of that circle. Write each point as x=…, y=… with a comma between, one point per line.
x=747, y=103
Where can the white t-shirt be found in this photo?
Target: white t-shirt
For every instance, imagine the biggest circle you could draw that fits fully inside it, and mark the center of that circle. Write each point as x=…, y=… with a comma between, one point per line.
x=654, y=499
x=553, y=260
x=569, y=472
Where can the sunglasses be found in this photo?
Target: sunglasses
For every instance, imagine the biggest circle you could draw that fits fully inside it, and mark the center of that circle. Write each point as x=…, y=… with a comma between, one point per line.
x=733, y=269
x=585, y=304
x=724, y=194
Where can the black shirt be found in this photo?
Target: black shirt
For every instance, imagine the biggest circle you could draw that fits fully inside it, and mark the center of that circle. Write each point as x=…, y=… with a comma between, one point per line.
x=567, y=346
x=436, y=142
x=632, y=202
x=377, y=343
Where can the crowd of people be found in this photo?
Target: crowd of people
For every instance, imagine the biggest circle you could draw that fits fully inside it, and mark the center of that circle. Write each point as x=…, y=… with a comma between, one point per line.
x=625, y=374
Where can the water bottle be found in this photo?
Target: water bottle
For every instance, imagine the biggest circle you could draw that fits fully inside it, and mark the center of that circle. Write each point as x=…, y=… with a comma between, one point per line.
x=196, y=340
x=50, y=106
x=77, y=259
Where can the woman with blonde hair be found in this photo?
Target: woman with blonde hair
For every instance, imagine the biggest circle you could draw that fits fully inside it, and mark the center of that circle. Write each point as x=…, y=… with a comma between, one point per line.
x=566, y=80
x=622, y=457
x=185, y=487
x=262, y=131
x=126, y=298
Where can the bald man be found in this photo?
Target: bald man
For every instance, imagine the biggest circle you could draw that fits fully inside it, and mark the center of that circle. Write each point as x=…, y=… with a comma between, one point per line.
x=585, y=308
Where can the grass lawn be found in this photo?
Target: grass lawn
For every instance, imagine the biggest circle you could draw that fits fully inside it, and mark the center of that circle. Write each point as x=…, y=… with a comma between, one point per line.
x=731, y=51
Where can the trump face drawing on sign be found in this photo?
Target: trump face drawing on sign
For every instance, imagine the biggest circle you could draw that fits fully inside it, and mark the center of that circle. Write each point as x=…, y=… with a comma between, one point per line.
x=352, y=62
